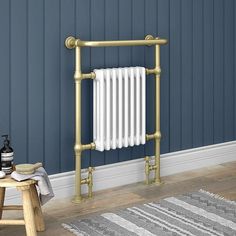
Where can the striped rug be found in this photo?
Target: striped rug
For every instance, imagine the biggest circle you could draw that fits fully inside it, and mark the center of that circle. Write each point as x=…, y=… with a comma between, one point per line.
x=200, y=213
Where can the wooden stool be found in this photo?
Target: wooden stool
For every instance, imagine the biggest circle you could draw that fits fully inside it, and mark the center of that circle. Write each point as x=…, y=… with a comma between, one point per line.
x=33, y=217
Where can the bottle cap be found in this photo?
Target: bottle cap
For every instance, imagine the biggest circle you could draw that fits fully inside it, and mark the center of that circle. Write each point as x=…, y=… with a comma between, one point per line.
x=6, y=141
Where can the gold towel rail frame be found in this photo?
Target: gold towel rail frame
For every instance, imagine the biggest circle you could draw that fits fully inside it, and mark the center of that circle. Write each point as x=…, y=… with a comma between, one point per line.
x=72, y=43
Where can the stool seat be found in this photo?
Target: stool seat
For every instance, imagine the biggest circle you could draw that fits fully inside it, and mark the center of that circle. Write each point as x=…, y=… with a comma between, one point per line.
x=9, y=182
x=33, y=217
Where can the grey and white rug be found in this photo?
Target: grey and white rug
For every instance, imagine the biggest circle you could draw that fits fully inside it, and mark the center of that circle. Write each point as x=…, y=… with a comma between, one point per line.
x=200, y=213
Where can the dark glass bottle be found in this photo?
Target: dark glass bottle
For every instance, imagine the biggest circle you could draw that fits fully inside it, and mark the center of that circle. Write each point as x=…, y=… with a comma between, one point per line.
x=7, y=156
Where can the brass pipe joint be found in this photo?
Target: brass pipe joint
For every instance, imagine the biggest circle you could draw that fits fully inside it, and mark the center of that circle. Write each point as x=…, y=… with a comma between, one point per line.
x=156, y=135
x=78, y=148
x=156, y=71
x=148, y=168
x=91, y=75
x=81, y=147
x=70, y=42
x=89, y=181
x=78, y=76
x=90, y=146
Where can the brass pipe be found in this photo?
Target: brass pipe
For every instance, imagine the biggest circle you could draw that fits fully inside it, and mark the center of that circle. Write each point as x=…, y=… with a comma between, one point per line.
x=88, y=76
x=71, y=42
x=78, y=76
x=90, y=146
x=77, y=147
x=121, y=43
x=157, y=179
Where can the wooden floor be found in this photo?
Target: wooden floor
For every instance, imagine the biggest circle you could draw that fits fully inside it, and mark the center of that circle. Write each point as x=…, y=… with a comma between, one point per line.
x=220, y=179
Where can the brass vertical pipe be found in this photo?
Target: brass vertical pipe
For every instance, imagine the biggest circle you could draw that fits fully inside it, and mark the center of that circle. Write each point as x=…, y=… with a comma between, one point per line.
x=78, y=146
x=157, y=109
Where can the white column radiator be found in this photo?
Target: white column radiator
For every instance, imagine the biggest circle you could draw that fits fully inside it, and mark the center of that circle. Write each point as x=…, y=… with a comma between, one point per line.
x=119, y=107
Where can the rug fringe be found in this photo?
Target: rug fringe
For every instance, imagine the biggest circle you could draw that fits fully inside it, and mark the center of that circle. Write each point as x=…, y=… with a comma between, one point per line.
x=69, y=228
x=216, y=196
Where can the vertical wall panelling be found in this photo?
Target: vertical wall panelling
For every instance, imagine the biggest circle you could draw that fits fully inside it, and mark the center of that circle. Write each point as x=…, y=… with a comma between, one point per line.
x=19, y=78
x=175, y=75
x=218, y=71
x=67, y=86
x=208, y=71
x=5, y=66
x=186, y=72
x=125, y=57
x=111, y=53
x=228, y=70
x=83, y=31
x=97, y=56
x=35, y=81
x=197, y=73
x=138, y=52
x=150, y=28
x=198, y=101
x=52, y=85
x=163, y=19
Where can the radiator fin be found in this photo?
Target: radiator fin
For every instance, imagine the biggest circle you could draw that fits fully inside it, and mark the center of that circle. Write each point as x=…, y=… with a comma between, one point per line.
x=119, y=107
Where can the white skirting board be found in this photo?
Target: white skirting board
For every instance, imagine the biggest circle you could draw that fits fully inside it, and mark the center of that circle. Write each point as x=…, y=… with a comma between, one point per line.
x=129, y=172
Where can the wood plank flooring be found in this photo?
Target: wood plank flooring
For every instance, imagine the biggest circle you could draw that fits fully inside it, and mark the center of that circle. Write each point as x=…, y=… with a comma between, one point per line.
x=220, y=179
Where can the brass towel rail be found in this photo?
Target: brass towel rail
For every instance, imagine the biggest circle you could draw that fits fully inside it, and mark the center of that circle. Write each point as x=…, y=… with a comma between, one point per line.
x=71, y=43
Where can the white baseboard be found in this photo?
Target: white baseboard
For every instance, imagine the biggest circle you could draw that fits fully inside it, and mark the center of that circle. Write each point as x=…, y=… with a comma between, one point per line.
x=129, y=172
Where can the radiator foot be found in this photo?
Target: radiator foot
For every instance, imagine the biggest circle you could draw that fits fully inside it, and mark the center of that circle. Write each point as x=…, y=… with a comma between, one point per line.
x=158, y=182
x=77, y=199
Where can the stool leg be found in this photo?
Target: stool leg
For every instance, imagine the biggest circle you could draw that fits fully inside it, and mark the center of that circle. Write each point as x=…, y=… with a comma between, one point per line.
x=2, y=197
x=39, y=222
x=28, y=212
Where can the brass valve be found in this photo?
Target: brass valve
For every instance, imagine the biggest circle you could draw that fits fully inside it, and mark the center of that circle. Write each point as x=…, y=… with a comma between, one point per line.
x=147, y=169
x=89, y=181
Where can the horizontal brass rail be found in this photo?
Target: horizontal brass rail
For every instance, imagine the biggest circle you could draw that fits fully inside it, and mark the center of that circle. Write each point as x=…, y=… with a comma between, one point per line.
x=72, y=42
x=92, y=75
x=92, y=146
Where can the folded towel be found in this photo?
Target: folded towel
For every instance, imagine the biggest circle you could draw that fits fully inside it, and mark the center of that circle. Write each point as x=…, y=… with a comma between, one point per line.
x=44, y=185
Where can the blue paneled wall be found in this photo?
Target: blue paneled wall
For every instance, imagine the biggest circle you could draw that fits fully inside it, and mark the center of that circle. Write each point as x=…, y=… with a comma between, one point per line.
x=36, y=87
